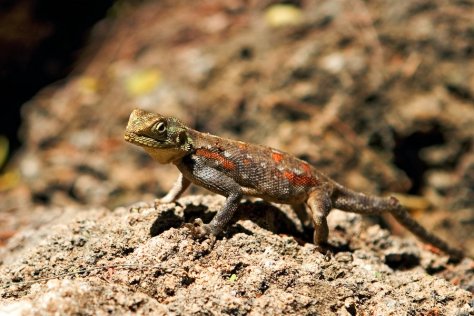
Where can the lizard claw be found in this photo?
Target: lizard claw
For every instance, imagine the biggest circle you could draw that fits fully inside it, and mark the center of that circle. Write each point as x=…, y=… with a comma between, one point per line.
x=139, y=205
x=199, y=230
x=328, y=255
x=324, y=249
x=211, y=241
x=157, y=202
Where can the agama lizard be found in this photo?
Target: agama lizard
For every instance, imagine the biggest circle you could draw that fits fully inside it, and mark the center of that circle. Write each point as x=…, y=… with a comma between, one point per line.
x=233, y=169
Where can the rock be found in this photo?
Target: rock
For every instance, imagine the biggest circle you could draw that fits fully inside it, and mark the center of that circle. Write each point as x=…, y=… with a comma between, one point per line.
x=139, y=260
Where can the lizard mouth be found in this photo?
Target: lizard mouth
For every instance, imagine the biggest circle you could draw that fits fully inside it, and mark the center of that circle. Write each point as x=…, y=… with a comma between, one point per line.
x=144, y=141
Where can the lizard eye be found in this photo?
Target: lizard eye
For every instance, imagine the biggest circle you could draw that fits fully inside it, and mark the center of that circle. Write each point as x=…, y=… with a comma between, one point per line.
x=159, y=127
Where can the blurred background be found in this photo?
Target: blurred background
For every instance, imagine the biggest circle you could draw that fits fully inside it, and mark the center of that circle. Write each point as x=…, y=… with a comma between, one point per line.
x=377, y=94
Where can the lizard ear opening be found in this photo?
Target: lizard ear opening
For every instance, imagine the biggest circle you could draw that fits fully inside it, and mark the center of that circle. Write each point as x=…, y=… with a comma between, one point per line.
x=181, y=139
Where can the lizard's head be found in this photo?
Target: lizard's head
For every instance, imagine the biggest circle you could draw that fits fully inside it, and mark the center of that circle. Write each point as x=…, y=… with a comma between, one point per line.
x=164, y=138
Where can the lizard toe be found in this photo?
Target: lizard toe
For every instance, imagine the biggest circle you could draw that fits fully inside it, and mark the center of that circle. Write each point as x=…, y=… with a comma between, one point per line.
x=199, y=229
x=325, y=250
x=158, y=202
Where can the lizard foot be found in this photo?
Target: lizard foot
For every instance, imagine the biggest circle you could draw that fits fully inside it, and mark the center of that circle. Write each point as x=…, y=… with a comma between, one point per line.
x=324, y=249
x=158, y=202
x=139, y=205
x=199, y=230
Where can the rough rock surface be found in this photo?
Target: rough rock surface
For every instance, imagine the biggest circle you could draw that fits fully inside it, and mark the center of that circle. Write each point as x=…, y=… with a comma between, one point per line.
x=379, y=95
x=141, y=260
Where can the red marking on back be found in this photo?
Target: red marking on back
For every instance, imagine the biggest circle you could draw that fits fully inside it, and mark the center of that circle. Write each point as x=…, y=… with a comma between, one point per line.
x=226, y=163
x=299, y=179
x=306, y=167
x=242, y=145
x=277, y=157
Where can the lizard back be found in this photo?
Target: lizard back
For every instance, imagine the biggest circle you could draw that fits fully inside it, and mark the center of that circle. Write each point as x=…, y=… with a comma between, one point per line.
x=261, y=171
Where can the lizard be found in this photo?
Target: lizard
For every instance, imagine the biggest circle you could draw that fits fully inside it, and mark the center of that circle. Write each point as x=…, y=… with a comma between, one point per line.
x=235, y=169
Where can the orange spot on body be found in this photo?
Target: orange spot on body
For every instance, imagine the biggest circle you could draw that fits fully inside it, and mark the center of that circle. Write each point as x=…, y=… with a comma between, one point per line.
x=277, y=157
x=242, y=145
x=226, y=163
x=306, y=167
x=299, y=179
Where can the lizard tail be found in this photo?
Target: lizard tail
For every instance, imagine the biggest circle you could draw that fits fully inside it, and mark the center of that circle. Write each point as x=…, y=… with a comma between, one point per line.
x=403, y=217
x=356, y=202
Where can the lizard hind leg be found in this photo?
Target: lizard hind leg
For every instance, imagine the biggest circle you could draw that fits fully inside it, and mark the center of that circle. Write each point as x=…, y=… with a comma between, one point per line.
x=302, y=213
x=319, y=205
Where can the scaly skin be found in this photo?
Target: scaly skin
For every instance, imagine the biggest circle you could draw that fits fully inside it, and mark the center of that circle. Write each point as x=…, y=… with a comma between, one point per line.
x=234, y=169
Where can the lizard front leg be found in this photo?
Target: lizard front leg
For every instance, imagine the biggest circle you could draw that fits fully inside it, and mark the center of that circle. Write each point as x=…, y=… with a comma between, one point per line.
x=178, y=188
x=218, y=182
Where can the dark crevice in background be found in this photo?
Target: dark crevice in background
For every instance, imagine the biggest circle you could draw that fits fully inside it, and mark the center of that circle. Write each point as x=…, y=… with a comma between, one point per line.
x=40, y=41
x=407, y=154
